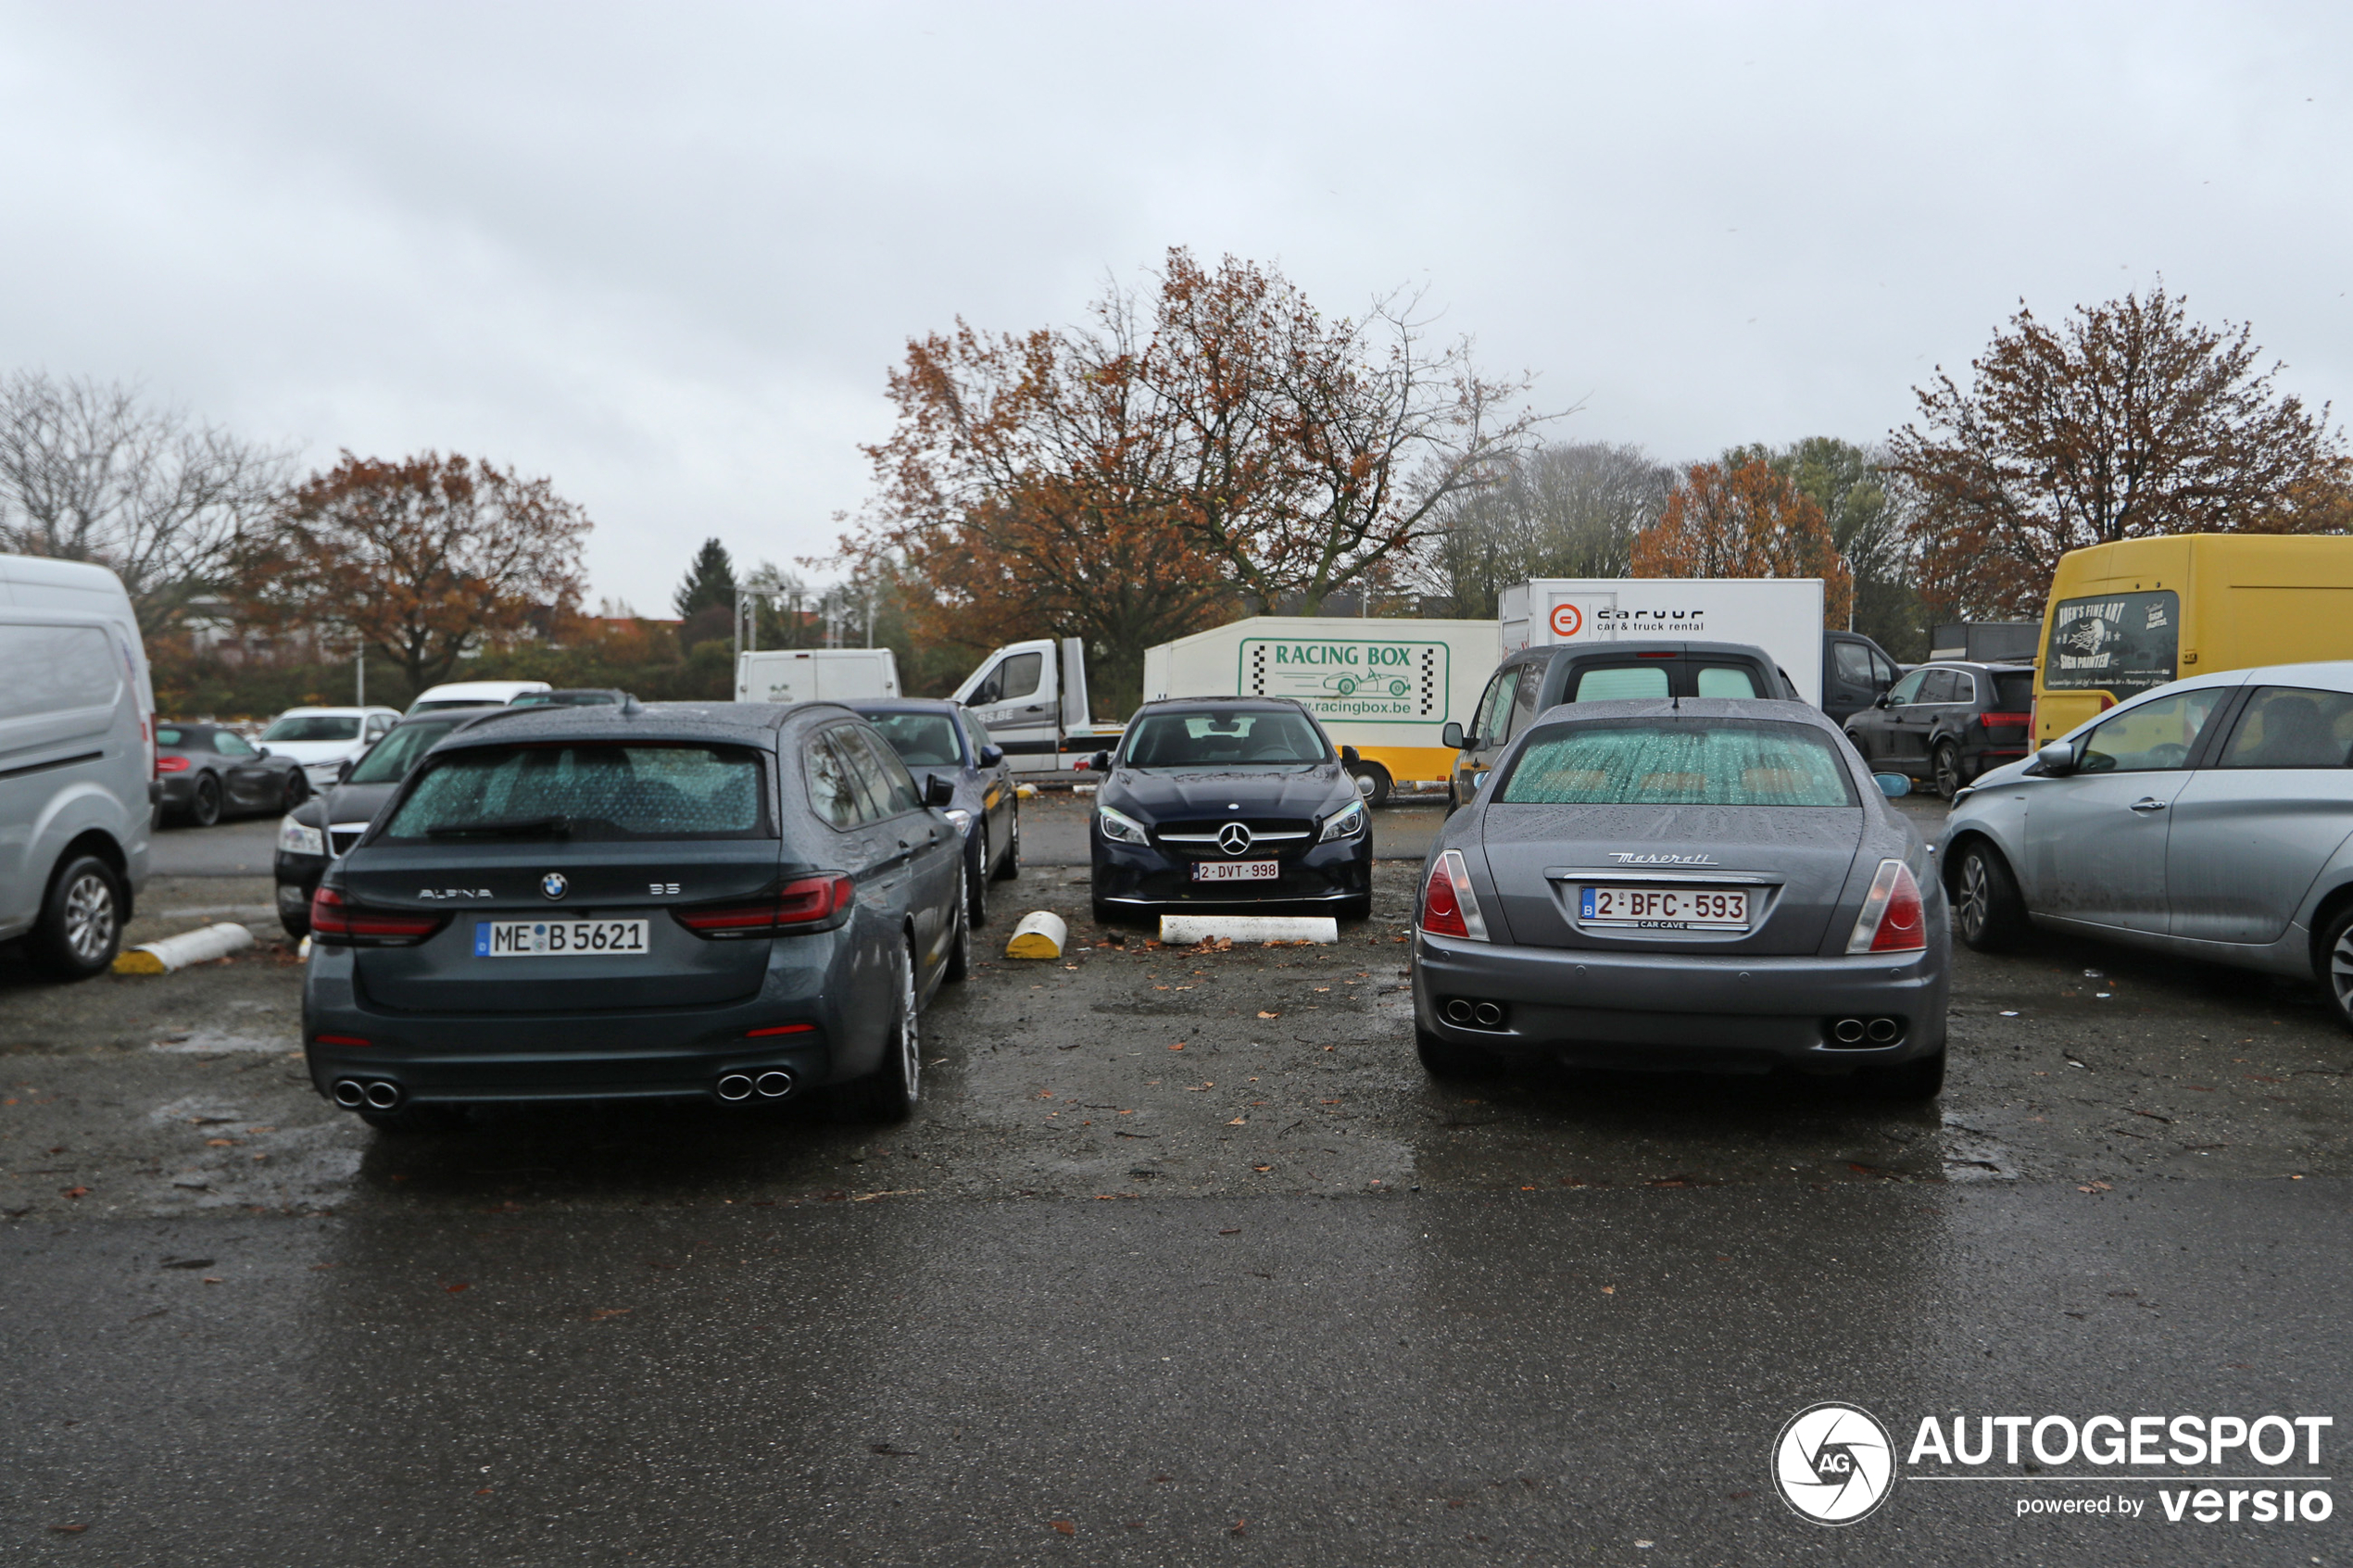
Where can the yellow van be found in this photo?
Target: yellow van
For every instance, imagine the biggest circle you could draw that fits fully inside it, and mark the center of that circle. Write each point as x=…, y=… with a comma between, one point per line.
x=2125, y=617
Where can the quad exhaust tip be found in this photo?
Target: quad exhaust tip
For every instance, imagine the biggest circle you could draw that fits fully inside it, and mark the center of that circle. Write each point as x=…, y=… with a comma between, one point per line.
x=774, y=1086
x=735, y=1086
x=384, y=1096
x=1861, y=1031
x=350, y=1093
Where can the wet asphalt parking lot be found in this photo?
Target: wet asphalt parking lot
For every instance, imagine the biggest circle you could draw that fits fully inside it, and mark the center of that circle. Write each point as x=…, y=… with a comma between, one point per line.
x=1183, y=1260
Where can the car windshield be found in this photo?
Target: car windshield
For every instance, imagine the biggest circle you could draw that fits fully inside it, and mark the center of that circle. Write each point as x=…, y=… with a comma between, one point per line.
x=1225, y=740
x=1675, y=764
x=392, y=757
x=586, y=789
x=921, y=740
x=314, y=726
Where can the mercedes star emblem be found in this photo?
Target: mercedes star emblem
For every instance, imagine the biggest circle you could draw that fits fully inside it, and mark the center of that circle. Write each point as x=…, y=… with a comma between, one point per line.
x=1233, y=838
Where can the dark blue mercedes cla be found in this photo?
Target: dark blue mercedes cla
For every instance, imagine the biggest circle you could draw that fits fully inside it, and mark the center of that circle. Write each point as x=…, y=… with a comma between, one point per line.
x=1216, y=803
x=734, y=902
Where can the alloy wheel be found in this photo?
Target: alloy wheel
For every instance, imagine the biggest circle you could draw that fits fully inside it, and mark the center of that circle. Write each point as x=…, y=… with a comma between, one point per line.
x=910, y=1054
x=2341, y=972
x=89, y=917
x=1948, y=771
x=1975, y=895
x=205, y=808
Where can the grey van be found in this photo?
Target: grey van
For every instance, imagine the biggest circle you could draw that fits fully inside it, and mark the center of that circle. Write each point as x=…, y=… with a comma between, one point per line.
x=76, y=760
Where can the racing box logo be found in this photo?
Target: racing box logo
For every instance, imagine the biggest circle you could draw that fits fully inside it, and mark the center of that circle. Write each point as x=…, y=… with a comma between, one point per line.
x=1834, y=1463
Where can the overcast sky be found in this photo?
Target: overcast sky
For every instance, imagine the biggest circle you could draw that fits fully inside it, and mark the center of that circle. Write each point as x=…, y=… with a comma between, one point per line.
x=665, y=255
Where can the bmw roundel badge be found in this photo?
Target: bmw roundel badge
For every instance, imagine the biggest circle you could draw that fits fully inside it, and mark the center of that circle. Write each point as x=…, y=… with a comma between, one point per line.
x=553, y=884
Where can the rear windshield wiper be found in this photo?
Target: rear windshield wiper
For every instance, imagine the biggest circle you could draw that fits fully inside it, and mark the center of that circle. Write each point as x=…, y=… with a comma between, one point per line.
x=512, y=827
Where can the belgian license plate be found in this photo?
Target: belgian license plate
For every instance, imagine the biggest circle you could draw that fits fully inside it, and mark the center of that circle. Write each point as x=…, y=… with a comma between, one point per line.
x=557, y=938
x=1665, y=909
x=1237, y=871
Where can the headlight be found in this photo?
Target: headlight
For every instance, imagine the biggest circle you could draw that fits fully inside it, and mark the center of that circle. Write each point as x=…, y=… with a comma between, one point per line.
x=1346, y=822
x=1120, y=828
x=961, y=818
x=298, y=838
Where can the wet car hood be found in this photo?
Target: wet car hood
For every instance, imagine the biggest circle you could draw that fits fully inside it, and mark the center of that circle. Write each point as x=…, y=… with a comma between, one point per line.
x=1162, y=795
x=355, y=803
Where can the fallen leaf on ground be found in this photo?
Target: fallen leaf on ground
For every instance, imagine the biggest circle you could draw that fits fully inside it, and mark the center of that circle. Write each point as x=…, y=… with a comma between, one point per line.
x=1609, y=1290
x=601, y=1314
x=1065, y=1527
x=461, y=1285
x=75, y=1192
x=1270, y=1015
x=1178, y=1046
x=1236, y=1231
x=1238, y=1121
x=68, y=1529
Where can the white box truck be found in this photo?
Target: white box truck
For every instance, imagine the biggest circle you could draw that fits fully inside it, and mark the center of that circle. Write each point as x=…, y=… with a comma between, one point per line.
x=815, y=674
x=1386, y=687
x=1781, y=615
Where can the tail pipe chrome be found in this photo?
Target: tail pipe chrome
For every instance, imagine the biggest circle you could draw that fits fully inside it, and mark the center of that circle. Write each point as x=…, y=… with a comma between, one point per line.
x=350, y=1093
x=773, y=1085
x=735, y=1086
x=383, y=1096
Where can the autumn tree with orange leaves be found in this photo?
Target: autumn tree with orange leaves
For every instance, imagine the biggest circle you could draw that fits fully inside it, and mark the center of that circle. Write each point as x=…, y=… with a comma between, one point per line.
x=1219, y=444
x=1744, y=520
x=424, y=560
x=2129, y=420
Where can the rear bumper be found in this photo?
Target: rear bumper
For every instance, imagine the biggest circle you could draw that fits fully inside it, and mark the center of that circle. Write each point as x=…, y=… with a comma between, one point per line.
x=612, y=1054
x=1673, y=1010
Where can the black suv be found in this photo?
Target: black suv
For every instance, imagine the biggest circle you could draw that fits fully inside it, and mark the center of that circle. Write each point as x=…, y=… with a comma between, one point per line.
x=1535, y=678
x=1946, y=723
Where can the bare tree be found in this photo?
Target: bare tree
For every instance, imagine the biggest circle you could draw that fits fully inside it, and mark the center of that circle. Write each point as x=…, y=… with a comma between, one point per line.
x=1561, y=509
x=89, y=472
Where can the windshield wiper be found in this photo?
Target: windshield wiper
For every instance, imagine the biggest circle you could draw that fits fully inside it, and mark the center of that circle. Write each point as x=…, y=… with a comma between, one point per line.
x=512, y=827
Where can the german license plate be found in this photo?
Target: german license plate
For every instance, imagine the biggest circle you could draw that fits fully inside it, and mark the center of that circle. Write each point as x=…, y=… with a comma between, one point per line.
x=1665, y=909
x=558, y=938
x=1237, y=871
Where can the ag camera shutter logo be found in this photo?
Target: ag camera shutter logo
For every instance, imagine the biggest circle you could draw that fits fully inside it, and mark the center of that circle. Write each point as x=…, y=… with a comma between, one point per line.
x=1834, y=1463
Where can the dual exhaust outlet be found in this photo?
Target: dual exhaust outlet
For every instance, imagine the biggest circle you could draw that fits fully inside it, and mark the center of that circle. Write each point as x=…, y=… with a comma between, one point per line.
x=1465, y=1013
x=368, y=1094
x=1867, y=1031
x=736, y=1087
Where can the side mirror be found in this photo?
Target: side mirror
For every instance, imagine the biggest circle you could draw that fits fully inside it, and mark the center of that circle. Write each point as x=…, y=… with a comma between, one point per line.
x=990, y=756
x=939, y=791
x=1348, y=755
x=1885, y=700
x=2057, y=759
x=1450, y=736
x=343, y=771
x=1100, y=762
x=1893, y=785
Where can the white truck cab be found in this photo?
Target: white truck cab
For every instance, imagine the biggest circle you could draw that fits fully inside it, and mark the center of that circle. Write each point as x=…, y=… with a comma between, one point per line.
x=1032, y=697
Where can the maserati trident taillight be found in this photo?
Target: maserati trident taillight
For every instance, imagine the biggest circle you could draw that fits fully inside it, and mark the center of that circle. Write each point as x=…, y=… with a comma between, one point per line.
x=1893, y=920
x=1449, y=907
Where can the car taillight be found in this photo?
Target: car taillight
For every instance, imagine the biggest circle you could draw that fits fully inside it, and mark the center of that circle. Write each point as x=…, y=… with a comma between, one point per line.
x=172, y=765
x=807, y=903
x=334, y=919
x=1449, y=907
x=1990, y=719
x=1893, y=920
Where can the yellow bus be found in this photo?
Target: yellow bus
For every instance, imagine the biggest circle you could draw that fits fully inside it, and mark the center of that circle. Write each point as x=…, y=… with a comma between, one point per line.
x=2125, y=617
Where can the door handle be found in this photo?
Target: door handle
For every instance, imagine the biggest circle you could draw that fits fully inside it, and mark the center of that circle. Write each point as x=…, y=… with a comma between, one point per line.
x=2146, y=803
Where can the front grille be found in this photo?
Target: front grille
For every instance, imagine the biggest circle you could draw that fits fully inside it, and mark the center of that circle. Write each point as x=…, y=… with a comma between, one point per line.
x=341, y=839
x=1269, y=836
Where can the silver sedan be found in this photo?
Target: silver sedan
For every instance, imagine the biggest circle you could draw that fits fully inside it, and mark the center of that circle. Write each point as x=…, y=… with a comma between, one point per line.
x=2211, y=817
x=1702, y=883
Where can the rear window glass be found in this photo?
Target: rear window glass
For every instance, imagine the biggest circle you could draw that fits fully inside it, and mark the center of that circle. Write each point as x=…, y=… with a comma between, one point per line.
x=921, y=740
x=1678, y=764
x=1625, y=682
x=167, y=734
x=314, y=726
x=2015, y=693
x=1722, y=680
x=588, y=790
